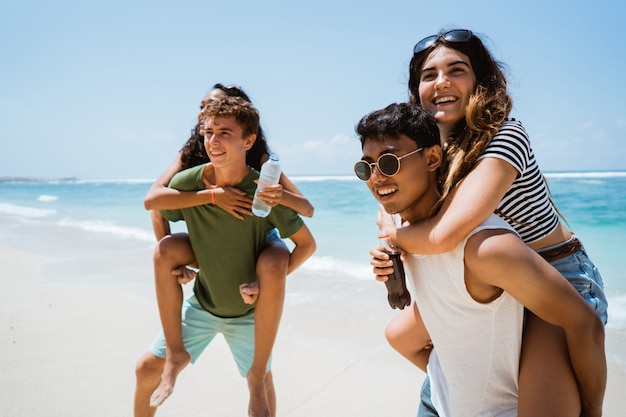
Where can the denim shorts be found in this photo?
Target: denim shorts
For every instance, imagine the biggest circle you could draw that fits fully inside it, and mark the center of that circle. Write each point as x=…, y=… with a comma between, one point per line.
x=200, y=327
x=273, y=236
x=581, y=272
x=426, y=407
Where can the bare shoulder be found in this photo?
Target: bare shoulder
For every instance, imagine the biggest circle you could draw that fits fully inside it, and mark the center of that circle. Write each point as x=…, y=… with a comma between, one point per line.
x=495, y=250
x=491, y=242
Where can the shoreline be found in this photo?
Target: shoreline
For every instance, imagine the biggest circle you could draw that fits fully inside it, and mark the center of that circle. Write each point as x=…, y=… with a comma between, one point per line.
x=303, y=177
x=70, y=350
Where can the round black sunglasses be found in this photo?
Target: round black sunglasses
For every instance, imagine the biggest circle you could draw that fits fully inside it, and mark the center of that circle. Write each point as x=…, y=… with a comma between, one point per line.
x=388, y=165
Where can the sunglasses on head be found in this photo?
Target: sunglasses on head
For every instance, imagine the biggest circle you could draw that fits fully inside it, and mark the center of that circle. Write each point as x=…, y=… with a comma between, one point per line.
x=388, y=165
x=456, y=35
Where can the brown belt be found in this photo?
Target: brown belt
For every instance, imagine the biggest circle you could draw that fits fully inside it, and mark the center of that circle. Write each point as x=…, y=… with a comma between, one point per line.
x=563, y=251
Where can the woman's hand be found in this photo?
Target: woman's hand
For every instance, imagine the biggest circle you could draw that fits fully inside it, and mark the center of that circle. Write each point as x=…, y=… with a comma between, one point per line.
x=272, y=195
x=232, y=200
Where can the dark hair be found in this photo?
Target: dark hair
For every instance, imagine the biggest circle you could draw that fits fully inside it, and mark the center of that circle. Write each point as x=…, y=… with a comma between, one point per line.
x=399, y=119
x=193, y=152
x=488, y=71
x=232, y=91
x=488, y=107
x=243, y=111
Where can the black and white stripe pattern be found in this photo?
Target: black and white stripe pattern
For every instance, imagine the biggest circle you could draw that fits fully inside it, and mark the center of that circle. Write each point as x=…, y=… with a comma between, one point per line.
x=526, y=206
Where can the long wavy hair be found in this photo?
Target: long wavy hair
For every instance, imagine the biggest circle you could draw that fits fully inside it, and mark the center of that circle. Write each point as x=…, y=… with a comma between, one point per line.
x=489, y=106
x=193, y=152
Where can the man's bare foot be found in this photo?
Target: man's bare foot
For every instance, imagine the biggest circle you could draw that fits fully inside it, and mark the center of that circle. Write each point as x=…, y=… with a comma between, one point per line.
x=174, y=363
x=258, y=406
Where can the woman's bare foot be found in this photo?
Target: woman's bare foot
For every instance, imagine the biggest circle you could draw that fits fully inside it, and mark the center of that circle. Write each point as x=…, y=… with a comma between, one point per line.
x=258, y=406
x=174, y=363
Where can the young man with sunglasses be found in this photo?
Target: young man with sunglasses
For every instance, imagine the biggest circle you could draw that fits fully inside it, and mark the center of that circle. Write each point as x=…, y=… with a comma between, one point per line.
x=471, y=299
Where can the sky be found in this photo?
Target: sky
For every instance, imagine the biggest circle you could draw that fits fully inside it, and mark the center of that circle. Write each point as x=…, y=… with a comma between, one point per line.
x=110, y=89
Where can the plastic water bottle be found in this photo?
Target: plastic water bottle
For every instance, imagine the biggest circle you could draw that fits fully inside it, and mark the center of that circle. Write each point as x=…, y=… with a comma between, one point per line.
x=397, y=293
x=270, y=174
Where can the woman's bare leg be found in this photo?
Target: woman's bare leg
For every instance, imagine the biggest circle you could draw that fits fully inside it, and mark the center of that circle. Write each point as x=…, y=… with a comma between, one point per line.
x=272, y=272
x=407, y=334
x=172, y=252
x=547, y=384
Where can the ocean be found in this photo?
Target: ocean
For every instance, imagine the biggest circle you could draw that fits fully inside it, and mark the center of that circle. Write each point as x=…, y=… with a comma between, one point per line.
x=97, y=232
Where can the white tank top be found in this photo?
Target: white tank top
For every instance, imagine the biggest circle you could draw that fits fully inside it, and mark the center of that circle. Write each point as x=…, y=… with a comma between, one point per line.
x=474, y=370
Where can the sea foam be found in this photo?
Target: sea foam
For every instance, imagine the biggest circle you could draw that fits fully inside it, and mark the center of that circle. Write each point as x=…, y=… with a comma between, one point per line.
x=105, y=227
x=617, y=312
x=25, y=212
x=47, y=198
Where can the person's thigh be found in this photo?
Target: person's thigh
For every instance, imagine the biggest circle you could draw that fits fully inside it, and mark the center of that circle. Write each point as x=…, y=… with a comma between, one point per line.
x=547, y=384
x=408, y=335
x=273, y=260
x=581, y=272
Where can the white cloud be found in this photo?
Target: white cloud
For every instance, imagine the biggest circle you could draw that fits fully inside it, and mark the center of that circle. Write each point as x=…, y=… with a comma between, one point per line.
x=332, y=156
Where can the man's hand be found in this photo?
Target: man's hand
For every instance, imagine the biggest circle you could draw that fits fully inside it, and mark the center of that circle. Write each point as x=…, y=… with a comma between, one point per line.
x=249, y=292
x=184, y=274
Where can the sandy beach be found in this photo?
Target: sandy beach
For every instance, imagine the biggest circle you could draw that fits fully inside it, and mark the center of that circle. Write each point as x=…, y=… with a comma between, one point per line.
x=67, y=350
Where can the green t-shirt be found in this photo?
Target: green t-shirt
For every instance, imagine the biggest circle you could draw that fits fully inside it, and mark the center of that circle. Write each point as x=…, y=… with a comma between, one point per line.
x=227, y=248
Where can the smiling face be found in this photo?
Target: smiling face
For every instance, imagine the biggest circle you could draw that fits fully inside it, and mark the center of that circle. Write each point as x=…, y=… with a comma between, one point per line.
x=447, y=81
x=224, y=141
x=412, y=192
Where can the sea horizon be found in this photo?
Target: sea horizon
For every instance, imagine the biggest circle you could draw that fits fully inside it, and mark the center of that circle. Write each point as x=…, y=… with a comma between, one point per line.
x=304, y=177
x=51, y=216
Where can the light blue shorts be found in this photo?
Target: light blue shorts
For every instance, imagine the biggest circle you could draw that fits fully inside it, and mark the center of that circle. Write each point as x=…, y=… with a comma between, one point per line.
x=200, y=327
x=581, y=272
